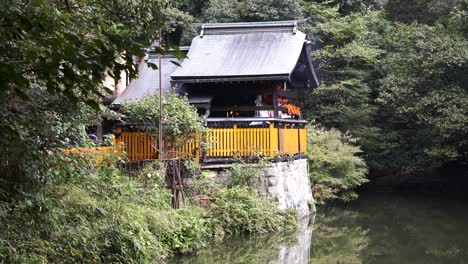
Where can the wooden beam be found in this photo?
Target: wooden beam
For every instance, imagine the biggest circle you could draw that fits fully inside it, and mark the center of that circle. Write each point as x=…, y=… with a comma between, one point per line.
x=222, y=91
x=275, y=104
x=255, y=91
x=289, y=94
x=246, y=108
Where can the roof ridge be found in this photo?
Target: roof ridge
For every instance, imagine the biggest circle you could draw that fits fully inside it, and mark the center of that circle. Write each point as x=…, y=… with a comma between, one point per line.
x=254, y=24
x=289, y=26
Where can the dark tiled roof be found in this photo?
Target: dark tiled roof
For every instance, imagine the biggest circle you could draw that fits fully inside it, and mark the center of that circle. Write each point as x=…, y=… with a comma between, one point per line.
x=237, y=50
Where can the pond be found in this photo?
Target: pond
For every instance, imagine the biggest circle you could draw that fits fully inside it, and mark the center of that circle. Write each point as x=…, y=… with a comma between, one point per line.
x=377, y=228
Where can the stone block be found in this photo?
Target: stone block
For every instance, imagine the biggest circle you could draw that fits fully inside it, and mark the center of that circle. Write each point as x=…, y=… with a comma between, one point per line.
x=272, y=181
x=273, y=190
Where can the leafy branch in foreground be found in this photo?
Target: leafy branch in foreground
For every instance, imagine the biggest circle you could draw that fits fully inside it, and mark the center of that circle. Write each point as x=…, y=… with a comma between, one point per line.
x=54, y=56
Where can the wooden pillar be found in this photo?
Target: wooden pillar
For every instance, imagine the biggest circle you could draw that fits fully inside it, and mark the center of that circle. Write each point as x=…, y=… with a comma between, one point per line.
x=275, y=103
x=298, y=138
x=273, y=139
x=98, y=129
x=99, y=133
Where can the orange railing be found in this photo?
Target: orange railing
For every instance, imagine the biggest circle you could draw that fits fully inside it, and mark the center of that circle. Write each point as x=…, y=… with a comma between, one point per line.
x=137, y=145
x=241, y=141
x=226, y=137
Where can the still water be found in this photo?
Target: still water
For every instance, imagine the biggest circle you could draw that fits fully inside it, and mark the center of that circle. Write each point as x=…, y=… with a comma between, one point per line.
x=377, y=228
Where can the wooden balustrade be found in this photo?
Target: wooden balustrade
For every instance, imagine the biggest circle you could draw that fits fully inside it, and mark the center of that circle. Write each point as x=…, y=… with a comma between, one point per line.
x=137, y=145
x=235, y=141
x=226, y=138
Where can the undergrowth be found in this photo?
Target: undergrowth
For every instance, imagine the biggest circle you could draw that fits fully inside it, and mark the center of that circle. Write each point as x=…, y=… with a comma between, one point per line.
x=104, y=216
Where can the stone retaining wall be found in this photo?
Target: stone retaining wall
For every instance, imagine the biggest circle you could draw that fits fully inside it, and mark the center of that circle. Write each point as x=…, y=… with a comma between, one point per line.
x=288, y=181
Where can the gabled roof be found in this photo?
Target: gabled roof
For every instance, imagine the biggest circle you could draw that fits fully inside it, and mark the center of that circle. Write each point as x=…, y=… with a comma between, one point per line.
x=147, y=82
x=242, y=51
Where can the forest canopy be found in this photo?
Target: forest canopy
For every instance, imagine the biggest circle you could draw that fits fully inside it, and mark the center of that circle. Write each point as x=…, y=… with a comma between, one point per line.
x=396, y=82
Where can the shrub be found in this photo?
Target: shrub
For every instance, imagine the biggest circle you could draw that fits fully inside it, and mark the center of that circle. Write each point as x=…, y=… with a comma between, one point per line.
x=241, y=210
x=335, y=168
x=101, y=218
x=243, y=172
x=153, y=174
x=181, y=122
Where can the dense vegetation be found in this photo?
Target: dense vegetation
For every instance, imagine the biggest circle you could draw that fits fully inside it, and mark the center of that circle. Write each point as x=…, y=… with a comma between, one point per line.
x=53, y=58
x=92, y=214
x=396, y=82
x=393, y=76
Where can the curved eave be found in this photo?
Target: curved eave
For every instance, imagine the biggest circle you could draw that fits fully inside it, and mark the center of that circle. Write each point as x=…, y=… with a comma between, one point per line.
x=189, y=79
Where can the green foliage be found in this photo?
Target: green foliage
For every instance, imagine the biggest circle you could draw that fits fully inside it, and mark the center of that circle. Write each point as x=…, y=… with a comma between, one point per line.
x=191, y=168
x=91, y=214
x=242, y=173
x=423, y=99
x=346, y=67
x=457, y=21
x=221, y=11
x=423, y=11
x=65, y=46
x=334, y=165
x=399, y=88
x=54, y=56
x=153, y=174
x=76, y=163
x=237, y=208
x=346, y=7
x=181, y=121
x=47, y=123
x=240, y=210
x=251, y=10
x=102, y=218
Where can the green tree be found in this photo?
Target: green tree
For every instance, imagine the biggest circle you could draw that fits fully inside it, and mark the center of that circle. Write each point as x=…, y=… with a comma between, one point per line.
x=53, y=57
x=399, y=88
x=335, y=167
x=346, y=7
x=423, y=101
x=252, y=10
x=347, y=65
x=423, y=11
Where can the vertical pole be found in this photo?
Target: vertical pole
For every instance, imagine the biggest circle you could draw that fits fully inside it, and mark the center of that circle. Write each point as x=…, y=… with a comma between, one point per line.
x=298, y=138
x=99, y=129
x=160, y=99
x=275, y=103
x=272, y=139
x=235, y=143
x=118, y=139
x=204, y=140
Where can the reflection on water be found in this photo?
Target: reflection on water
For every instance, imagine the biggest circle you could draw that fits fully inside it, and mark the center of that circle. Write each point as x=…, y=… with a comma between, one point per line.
x=379, y=228
x=290, y=247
